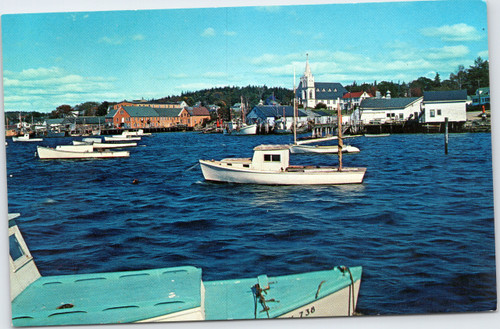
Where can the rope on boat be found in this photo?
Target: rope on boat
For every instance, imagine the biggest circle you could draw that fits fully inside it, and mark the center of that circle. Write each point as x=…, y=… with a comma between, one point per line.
x=343, y=269
x=193, y=166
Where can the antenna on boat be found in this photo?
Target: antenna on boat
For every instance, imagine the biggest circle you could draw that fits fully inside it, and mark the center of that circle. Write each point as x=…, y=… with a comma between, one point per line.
x=339, y=133
x=294, y=110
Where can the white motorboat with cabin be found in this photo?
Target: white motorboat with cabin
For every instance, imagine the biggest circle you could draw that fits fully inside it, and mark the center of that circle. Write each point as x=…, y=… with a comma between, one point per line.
x=77, y=152
x=26, y=138
x=169, y=294
x=270, y=165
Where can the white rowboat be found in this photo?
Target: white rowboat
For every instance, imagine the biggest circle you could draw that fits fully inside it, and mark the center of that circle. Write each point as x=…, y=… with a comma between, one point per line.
x=77, y=152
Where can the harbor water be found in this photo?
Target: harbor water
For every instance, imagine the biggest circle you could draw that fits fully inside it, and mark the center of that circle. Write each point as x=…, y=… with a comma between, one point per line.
x=421, y=224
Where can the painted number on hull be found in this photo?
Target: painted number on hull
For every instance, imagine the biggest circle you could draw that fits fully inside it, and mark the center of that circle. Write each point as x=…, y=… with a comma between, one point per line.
x=306, y=312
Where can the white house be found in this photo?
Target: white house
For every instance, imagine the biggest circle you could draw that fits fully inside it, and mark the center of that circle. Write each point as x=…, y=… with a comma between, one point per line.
x=382, y=110
x=438, y=105
x=311, y=93
x=353, y=100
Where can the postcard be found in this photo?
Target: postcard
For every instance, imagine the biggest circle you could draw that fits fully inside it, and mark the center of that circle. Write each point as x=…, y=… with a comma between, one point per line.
x=248, y=162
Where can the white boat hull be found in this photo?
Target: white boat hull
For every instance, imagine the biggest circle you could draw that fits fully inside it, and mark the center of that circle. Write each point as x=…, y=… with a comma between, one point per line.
x=26, y=139
x=330, y=149
x=119, y=138
x=66, y=153
x=245, y=130
x=217, y=171
x=99, y=145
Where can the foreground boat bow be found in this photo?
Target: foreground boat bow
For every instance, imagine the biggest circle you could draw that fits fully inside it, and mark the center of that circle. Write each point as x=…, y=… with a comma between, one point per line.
x=170, y=294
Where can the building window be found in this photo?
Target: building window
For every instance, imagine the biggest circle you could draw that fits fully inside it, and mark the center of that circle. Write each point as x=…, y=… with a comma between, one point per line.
x=438, y=112
x=432, y=113
x=272, y=157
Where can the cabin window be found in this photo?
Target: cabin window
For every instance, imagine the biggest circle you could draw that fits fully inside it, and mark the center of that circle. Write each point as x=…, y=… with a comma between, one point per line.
x=438, y=112
x=272, y=157
x=432, y=113
x=16, y=251
x=246, y=165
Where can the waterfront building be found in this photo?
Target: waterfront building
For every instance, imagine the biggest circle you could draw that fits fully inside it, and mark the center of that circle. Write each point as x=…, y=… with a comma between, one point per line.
x=136, y=117
x=198, y=115
x=482, y=96
x=385, y=110
x=268, y=114
x=438, y=105
x=310, y=93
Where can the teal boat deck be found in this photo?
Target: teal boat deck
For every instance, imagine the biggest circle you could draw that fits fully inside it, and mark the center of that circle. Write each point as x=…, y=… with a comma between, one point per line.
x=107, y=297
x=236, y=299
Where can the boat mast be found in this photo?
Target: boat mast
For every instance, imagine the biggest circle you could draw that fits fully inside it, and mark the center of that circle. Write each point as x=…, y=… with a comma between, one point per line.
x=339, y=133
x=294, y=109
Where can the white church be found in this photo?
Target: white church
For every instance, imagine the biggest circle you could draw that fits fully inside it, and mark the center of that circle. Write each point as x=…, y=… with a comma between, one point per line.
x=311, y=93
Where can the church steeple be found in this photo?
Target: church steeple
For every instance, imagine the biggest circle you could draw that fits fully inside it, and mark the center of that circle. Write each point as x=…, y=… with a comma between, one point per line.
x=307, y=71
x=308, y=93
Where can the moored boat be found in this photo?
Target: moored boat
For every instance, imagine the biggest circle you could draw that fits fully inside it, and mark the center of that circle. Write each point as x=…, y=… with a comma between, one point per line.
x=170, y=294
x=322, y=149
x=98, y=144
x=270, y=165
x=77, y=152
x=121, y=138
x=26, y=138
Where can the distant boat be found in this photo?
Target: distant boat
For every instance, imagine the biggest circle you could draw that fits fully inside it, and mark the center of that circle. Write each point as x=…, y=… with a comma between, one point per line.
x=139, y=132
x=377, y=135
x=270, y=165
x=170, y=294
x=322, y=149
x=239, y=126
x=98, y=144
x=26, y=138
x=121, y=138
x=77, y=152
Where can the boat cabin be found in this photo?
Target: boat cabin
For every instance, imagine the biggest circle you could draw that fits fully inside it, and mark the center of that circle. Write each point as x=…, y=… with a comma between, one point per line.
x=23, y=270
x=271, y=157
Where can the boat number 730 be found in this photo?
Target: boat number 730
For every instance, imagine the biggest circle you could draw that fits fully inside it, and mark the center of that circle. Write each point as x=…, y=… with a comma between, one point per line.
x=306, y=312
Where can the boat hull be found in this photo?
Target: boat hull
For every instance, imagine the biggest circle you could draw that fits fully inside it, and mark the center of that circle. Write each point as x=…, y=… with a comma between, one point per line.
x=245, y=130
x=46, y=153
x=215, y=171
x=331, y=149
x=121, y=138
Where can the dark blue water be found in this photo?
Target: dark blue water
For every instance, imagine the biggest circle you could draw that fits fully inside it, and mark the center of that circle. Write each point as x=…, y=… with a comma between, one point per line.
x=421, y=224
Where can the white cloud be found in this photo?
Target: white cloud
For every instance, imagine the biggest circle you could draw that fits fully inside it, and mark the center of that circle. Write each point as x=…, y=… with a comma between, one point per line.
x=43, y=89
x=457, y=32
x=208, y=32
x=230, y=33
x=484, y=54
x=111, y=41
x=138, y=37
x=448, y=52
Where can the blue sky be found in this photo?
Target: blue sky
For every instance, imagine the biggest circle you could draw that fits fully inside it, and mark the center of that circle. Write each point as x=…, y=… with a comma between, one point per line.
x=51, y=59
